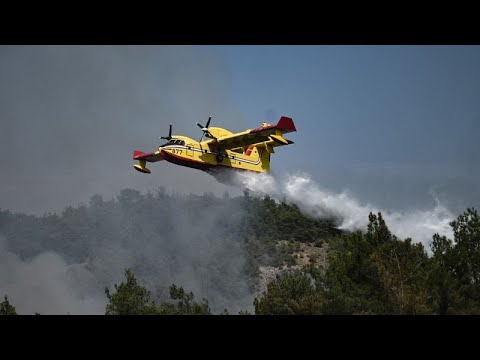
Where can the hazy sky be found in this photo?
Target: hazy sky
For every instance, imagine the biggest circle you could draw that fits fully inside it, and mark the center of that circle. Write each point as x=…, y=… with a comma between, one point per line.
x=392, y=124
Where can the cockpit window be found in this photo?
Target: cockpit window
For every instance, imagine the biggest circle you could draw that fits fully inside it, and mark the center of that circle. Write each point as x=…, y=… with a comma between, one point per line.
x=173, y=142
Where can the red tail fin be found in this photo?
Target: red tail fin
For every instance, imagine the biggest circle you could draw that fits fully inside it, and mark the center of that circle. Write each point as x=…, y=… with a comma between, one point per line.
x=286, y=124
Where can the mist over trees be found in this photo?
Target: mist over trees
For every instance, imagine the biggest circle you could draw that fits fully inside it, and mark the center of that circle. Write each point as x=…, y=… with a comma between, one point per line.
x=211, y=246
x=170, y=254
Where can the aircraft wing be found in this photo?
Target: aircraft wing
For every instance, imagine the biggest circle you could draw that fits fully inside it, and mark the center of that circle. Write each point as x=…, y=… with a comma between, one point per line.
x=254, y=136
x=150, y=157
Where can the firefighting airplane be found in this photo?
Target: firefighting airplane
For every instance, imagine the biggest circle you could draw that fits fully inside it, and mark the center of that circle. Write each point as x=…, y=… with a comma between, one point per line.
x=248, y=150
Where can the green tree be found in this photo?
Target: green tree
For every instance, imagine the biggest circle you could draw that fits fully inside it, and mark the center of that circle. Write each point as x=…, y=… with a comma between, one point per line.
x=185, y=304
x=352, y=281
x=130, y=298
x=454, y=278
x=466, y=231
x=376, y=273
x=6, y=308
x=401, y=268
x=291, y=294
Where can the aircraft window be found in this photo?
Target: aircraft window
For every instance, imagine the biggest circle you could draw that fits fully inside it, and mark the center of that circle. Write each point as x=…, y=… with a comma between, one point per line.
x=238, y=150
x=174, y=141
x=167, y=143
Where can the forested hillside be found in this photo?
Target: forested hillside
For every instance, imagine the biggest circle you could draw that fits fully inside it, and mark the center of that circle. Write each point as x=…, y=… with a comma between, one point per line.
x=160, y=253
x=210, y=245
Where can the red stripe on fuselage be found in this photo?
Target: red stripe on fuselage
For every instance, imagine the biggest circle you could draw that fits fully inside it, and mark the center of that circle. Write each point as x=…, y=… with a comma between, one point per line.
x=179, y=160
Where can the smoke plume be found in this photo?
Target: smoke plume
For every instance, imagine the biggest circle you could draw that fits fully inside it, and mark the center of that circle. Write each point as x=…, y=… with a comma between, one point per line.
x=47, y=285
x=310, y=197
x=60, y=265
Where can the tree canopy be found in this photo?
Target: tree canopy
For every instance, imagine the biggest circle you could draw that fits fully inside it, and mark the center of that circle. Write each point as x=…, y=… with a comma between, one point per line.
x=377, y=273
x=6, y=308
x=365, y=272
x=132, y=299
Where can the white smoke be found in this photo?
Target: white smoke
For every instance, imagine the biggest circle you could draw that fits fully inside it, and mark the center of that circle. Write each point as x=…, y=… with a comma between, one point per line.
x=311, y=198
x=169, y=243
x=47, y=285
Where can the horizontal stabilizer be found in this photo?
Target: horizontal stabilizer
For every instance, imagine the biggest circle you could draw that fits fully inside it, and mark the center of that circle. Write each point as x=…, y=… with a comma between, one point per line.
x=150, y=157
x=279, y=139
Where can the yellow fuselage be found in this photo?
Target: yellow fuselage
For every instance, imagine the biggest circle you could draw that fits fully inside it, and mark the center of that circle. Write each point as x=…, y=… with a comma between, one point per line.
x=185, y=151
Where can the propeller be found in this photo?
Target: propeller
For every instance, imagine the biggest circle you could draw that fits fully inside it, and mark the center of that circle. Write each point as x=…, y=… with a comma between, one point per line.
x=205, y=128
x=169, y=134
